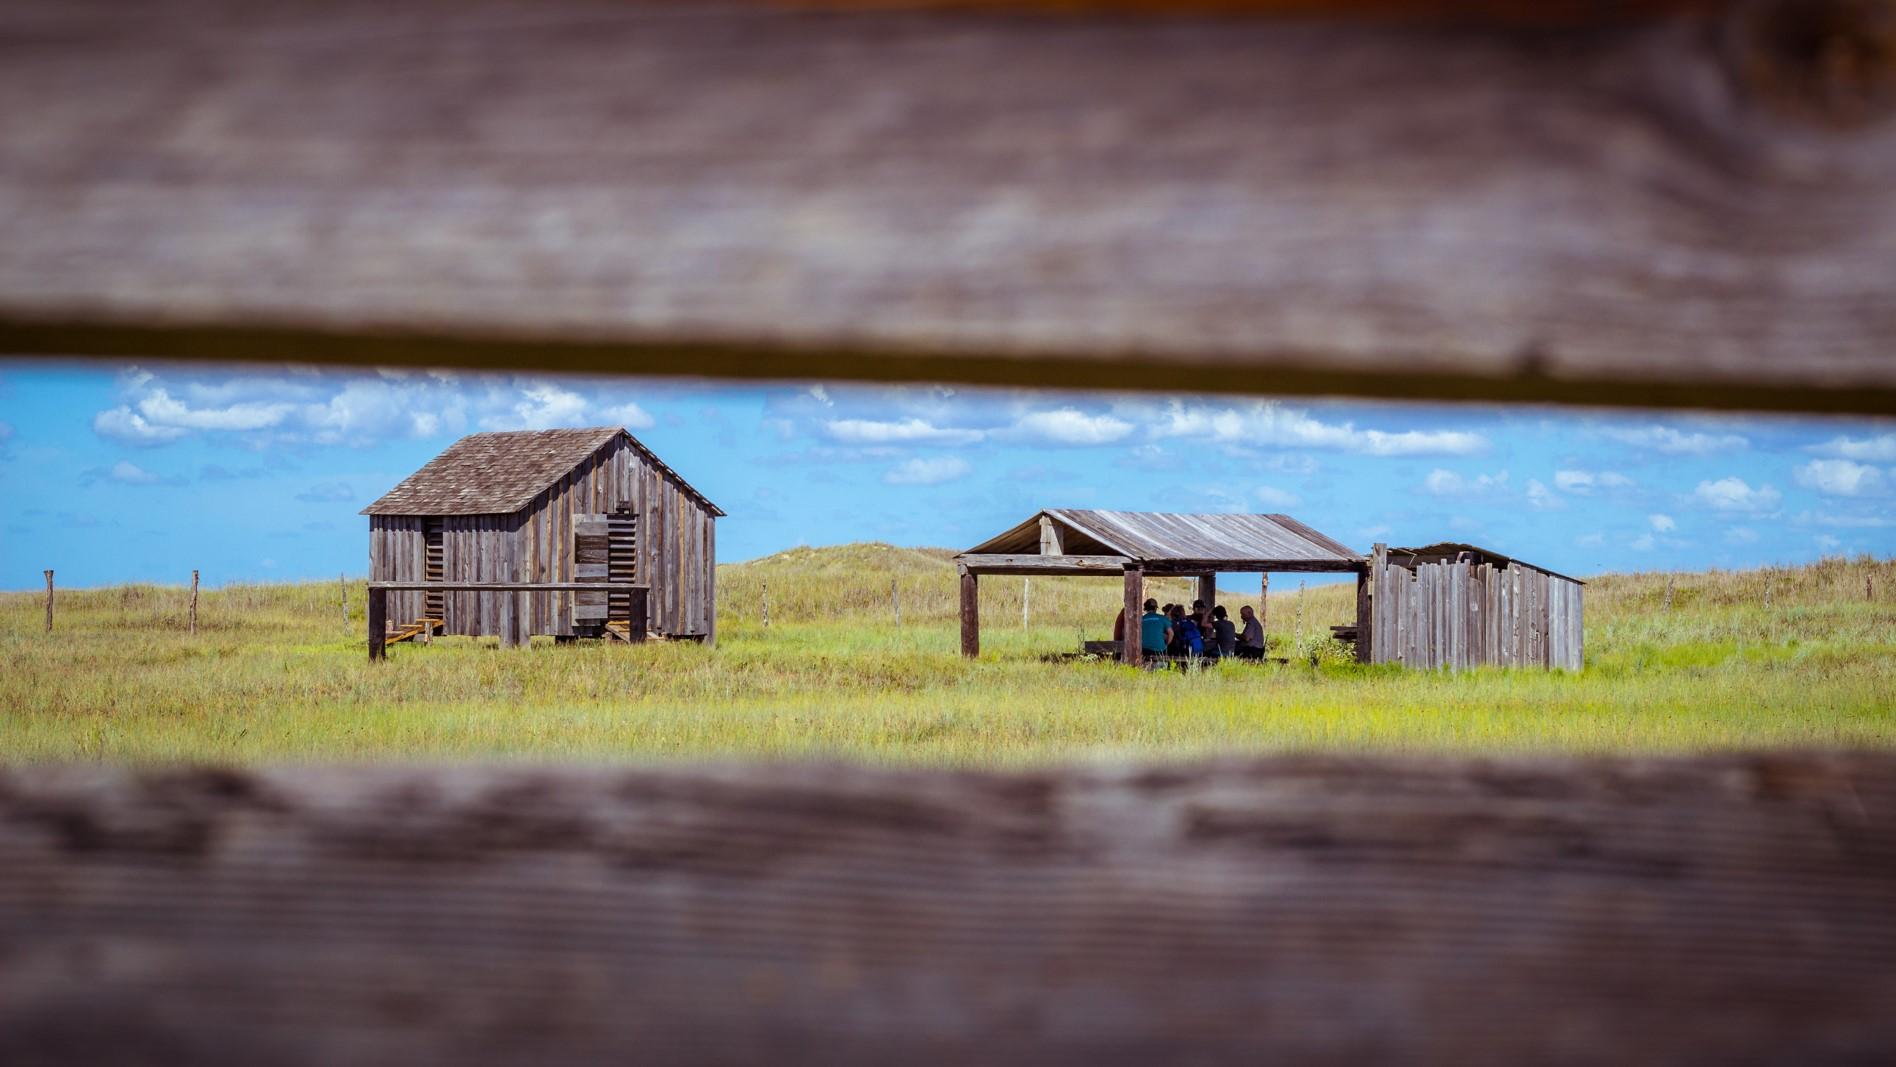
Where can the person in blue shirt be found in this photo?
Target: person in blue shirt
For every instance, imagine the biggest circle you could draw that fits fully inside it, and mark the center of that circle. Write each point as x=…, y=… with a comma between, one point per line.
x=1186, y=640
x=1155, y=633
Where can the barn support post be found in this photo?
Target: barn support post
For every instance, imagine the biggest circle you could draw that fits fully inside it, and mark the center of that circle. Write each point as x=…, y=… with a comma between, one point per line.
x=1208, y=590
x=639, y=619
x=1366, y=606
x=970, y=613
x=1129, y=648
x=378, y=623
x=1362, y=614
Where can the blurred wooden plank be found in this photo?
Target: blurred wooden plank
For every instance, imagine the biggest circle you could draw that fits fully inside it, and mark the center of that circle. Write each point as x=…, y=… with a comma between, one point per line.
x=1724, y=909
x=1690, y=210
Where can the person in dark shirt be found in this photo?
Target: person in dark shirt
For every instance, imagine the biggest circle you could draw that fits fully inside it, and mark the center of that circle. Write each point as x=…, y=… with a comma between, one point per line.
x=1251, y=645
x=1186, y=640
x=1224, y=636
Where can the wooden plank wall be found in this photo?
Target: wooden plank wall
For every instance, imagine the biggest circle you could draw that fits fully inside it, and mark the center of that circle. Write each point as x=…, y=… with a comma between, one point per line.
x=1460, y=615
x=676, y=541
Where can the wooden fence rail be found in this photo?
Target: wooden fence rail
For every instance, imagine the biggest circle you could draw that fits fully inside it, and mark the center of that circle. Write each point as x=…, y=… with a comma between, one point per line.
x=1728, y=909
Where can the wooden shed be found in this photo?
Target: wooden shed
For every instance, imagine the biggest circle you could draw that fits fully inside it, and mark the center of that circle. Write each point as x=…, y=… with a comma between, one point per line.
x=546, y=506
x=1458, y=605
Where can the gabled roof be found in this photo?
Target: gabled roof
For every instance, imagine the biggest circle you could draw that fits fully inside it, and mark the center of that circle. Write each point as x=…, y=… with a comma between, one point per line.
x=500, y=473
x=1160, y=536
x=1448, y=550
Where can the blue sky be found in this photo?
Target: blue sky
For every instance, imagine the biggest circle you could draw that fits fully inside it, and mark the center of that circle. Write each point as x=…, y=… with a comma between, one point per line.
x=142, y=472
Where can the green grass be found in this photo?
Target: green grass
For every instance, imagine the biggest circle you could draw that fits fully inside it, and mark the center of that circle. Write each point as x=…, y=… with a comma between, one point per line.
x=273, y=675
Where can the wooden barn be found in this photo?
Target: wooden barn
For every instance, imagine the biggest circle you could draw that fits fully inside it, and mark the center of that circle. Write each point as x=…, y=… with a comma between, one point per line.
x=1457, y=605
x=546, y=506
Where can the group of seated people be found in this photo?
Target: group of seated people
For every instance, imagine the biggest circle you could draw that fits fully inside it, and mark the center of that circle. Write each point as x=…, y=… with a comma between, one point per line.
x=1202, y=631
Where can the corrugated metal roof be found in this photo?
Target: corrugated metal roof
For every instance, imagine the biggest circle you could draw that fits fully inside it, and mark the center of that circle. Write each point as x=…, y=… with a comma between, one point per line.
x=1156, y=536
x=501, y=472
x=1449, y=549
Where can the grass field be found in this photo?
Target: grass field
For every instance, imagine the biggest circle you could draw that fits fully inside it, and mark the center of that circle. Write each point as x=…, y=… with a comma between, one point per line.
x=1787, y=657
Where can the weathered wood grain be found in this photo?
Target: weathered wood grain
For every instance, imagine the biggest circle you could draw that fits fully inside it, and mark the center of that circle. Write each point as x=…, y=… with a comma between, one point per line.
x=1726, y=909
x=1687, y=209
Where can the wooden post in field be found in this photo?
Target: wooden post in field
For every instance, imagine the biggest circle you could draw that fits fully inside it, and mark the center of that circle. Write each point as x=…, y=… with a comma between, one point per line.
x=970, y=613
x=1869, y=588
x=1208, y=590
x=49, y=601
x=1025, y=592
x=1264, y=606
x=766, y=605
x=895, y=601
x=378, y=623
x=194, y=602
x=1668, y=603
x=1130, y=651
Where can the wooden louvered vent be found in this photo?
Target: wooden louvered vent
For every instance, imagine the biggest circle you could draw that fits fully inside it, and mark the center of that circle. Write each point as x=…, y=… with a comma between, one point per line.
x=605, y=548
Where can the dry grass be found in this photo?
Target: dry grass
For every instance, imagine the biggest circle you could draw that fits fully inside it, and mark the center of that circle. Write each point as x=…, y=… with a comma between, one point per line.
x=273, y=674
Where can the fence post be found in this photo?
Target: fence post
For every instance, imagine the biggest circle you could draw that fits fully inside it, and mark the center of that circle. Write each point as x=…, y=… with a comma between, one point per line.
x=1299, y=624
x=194, y=602
x=1025, y=591
x=378, y=623
x=896, y=600
x=766, y=604
x=49, y=601
x=1668, y=603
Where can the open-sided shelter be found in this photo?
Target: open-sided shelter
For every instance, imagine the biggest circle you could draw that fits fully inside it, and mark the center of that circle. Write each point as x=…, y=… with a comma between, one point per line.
x=1136, y=544
x=569, y=505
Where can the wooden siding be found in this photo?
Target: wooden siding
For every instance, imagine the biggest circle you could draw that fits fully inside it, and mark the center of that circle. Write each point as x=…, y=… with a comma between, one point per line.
x=676, y=551
x=1459, y=615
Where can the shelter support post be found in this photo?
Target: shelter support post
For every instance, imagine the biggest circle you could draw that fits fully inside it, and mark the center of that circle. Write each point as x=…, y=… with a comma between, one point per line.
x=1362, y=615
x=970, y=613
x=378, y=623
x=1208, y=589
x=1129, y=651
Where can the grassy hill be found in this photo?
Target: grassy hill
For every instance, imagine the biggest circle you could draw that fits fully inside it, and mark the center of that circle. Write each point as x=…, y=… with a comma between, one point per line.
x=1802, y=656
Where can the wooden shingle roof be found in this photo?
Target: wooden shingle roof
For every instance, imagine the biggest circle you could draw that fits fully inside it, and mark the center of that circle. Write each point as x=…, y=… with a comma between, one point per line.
x=501, y=472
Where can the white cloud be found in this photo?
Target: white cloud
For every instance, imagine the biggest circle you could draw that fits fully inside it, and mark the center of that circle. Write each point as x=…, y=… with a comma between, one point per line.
x=1741, y=535
x=1878, y=449
x=1828, y=543
x=629, y=415
x=1448, y=483
x=1583, y=482
x=1675, y=442
x=1854, y=522
x=1734, y=495
x=1275, y=498
x=1269, y=423
x=933, y=471
x=124, y=473
x=132, y=474
x=1542, y=497
x=123, y=424
x=1662, y=523
x=902, y=432
x=1070, y=426
x=1840, y=477
x=821, y=396
x=1642, y=543
x=354, y=408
